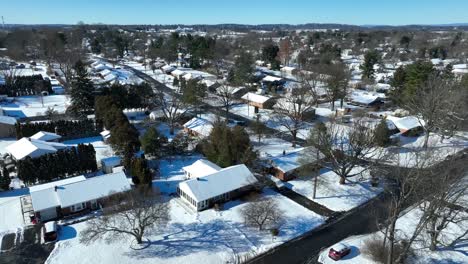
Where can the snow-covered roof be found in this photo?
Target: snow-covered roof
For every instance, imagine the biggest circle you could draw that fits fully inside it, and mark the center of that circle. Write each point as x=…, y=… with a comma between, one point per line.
x=271, y=79
x=43, y=196
x=167, y=68
x=7, y=120
x=364, y=98
x=111, y=161
x=201, y=125
x=178, y=72
x=45, y=136
x=288, y=68
x=292, y=160
x=92, y=189
x=105, y=134
x=77, y=190
x=406, y=123
x=32, y=148
x=105, y=72
x=201, y=168
x=218, y=183
x=256, y=98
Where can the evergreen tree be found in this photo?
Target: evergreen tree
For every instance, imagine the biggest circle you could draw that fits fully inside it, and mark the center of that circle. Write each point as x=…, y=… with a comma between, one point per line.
x=370, y=59
x=382, y=134
x=141, y=174
x=152, y=142
x=82, y=92
x=5, y=179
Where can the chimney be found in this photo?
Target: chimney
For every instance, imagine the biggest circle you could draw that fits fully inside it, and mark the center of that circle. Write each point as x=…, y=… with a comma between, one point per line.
x=56, y=130
x=198, y=179
x=55, y=187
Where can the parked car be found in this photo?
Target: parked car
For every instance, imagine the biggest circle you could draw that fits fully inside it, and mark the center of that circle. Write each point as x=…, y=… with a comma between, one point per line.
x=338, y=251
x=236, y=122
x=50, y=231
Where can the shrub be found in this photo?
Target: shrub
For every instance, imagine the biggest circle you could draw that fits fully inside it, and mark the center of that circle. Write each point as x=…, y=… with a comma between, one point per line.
x=274, y=231
x=376, y=251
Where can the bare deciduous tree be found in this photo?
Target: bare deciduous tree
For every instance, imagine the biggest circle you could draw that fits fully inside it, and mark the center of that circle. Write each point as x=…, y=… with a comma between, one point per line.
x=439, y=103
x=292, y=110
x=337, y=83
x=172, y=107
x=344, y=147
x=130, y=214
x=262, y=213
x=226, y=96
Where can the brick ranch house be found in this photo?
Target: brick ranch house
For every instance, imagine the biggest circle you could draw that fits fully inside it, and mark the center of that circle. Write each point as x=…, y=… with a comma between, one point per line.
x=286, y=167
x=75, y=195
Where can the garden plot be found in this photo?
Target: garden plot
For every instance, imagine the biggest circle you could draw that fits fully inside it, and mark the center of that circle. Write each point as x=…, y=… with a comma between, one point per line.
x=208, y=237
x=335, y=196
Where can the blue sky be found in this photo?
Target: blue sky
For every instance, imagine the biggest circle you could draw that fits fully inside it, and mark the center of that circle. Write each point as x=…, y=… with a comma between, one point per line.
x=357, y=12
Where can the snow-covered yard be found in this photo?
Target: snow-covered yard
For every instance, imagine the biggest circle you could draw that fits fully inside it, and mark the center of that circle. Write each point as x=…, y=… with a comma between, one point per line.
x=171, y=173
x=28, y=106
x=410, y=148
x=405, y=226
x=11, y=216
x=270, y=147
x=103, y=150
x=207, y=237
x=335, y=196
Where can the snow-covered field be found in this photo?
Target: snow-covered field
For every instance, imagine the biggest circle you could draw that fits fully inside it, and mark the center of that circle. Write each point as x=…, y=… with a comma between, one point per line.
x=27, y=106
x=207, y=237
x=335, y=196
x=405, y=227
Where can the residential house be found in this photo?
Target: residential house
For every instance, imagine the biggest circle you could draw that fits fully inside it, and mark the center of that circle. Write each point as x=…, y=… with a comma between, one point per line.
x=28, y=147
x=201, y=126
x=409, y=125
x=258, y=101
x=286, y=167
x=200, y=168
x=75, y=195
x=218, y=187
x=46, y=136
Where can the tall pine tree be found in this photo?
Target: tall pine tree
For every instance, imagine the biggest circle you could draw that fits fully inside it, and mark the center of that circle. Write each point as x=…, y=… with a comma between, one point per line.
x=82, y=92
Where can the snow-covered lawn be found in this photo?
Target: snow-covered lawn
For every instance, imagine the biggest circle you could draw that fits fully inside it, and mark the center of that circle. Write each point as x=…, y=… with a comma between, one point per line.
x=335, y=196
x=266, y=116
x=270, y=147
x=207, y=237
x=27, y=106
x=406, y=154
x=103, y=150
x=405, y=226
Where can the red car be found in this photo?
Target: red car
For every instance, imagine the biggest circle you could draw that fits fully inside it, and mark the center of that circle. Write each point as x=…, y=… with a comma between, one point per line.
x=338, y=251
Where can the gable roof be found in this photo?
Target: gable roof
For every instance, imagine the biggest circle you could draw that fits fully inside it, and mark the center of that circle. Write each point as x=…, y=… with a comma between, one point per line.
x=7, y=120
x=201, y=168
x=256, y=98
x=218, y=183
x=45, y=136
x=77, y=190
x=33, y=148
x=292, y=160
x=201, y=125
x=406, y=123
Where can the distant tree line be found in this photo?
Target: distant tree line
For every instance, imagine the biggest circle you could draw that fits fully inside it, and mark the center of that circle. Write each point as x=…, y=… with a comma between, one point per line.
x=24, y=85
x=62, y=164
x=65, y=128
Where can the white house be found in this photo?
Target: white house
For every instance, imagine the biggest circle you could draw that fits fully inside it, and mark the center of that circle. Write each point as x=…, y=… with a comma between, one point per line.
x=406, y=124
x=46, y=136
x=33, y=148
x=201, y=126
x=74, y=195
x=226, y=184
x=200, y=168
x=257, y=100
